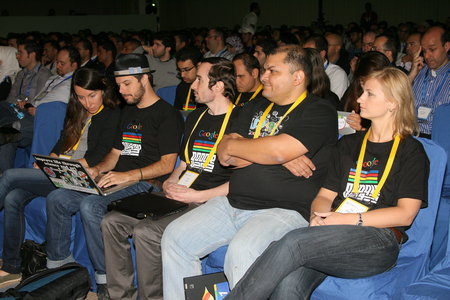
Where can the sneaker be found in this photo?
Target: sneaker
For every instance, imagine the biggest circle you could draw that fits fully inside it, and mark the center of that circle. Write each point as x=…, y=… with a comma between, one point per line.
x=10, y=279
x=102, y=292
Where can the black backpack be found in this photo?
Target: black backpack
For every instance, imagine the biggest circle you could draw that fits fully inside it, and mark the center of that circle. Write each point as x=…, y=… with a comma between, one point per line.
x=69, y=282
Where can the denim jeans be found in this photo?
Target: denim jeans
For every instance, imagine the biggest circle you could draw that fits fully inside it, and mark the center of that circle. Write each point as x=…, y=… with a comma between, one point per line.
x=295, y=265
x=212, y=225
x=61, y=205
x=17, y=188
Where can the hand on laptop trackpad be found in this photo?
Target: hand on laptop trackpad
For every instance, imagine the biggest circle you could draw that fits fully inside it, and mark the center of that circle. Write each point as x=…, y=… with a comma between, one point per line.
x=109, y=187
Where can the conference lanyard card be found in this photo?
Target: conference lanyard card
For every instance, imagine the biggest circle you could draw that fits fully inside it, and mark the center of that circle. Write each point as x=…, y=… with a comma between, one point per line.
x=188, y=178
x=423, y=112
x=351, y=206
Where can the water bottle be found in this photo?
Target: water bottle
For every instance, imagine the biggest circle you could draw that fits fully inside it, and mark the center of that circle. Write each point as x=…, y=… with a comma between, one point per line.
x=19, y=114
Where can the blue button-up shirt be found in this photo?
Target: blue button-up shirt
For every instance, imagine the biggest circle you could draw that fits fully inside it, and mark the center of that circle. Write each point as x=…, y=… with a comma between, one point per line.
x=431, y=89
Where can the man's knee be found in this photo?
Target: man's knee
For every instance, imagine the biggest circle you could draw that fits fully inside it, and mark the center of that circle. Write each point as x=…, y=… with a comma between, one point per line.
x=173, y=234
x=9, y=176
x=92, y=209
x=15, y=200
x=109, y=223
x=147, y=232
x=55, y=201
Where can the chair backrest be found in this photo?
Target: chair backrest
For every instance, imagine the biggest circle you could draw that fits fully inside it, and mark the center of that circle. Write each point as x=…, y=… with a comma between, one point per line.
x=440, y=134
x=48, y=123
x=167, y=93
x=421, y=232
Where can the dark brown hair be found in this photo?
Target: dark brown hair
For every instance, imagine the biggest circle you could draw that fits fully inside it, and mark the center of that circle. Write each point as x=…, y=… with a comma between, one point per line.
x=89, y=79
x=368, y=63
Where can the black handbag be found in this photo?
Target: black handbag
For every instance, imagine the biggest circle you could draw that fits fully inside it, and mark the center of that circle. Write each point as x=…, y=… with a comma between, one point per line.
x=34, y=258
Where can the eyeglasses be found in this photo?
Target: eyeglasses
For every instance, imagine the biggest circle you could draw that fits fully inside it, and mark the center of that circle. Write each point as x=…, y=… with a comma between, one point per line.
x=185, y=70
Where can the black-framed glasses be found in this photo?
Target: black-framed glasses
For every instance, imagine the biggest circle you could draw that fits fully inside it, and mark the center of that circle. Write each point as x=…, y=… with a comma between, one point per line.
x=184, y=70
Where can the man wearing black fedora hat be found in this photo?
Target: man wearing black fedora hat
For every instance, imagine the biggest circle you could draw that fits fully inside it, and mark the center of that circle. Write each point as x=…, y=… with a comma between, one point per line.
x=145, y=150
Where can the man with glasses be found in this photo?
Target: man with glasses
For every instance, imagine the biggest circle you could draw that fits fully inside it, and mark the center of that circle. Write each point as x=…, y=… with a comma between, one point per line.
x=187, y=60
x=215, y=41
x=368, y=40
x=388, y=45
x=367, y=44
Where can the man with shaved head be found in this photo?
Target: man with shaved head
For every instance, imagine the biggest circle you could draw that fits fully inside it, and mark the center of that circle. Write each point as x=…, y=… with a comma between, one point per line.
x=431, y=86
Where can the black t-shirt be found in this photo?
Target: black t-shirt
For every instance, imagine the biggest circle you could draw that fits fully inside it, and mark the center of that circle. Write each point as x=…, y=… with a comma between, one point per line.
x=200, y=144
x=245, y=98
x=146, y=134
x=408, y=177
x=181, y=95
x=314, y=124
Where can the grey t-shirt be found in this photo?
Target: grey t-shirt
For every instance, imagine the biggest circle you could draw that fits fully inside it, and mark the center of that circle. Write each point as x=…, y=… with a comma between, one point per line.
x=82, y=146
x=165, y=72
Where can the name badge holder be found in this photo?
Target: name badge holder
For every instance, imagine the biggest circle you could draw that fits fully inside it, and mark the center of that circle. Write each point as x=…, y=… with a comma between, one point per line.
x=189, y=177
x=351, y=206
x=192, y=174
x=423, y=112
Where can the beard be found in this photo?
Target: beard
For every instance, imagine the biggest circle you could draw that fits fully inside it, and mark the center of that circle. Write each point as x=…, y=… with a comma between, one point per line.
x=135, y=98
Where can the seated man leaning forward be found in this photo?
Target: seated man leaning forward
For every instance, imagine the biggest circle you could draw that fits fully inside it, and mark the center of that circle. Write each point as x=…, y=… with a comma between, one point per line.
x=214, y=86
x=265, y=200
x=146, y=147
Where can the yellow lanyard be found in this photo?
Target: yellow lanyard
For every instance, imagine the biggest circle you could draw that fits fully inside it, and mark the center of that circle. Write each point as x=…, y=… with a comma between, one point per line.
x=219, y=138
x=260, y=87
x=186, y=106
x=88, y=122
x=266, y=112
x=387, y=170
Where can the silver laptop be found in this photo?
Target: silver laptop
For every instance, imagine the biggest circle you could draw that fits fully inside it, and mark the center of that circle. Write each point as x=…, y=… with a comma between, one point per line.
x=70, y=174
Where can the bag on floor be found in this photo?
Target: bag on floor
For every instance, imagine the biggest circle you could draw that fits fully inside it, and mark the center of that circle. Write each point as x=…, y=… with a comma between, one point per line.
x=69, y=282
x=34, y=258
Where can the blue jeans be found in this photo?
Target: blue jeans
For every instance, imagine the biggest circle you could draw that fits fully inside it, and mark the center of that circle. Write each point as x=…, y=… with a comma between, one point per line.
x=295, y=265
x=17, y=188
x=212, y=225
x=61, y=205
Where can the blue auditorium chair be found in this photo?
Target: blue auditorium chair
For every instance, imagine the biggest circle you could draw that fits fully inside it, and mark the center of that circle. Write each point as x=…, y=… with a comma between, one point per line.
x=167, y=93
x=440, y=134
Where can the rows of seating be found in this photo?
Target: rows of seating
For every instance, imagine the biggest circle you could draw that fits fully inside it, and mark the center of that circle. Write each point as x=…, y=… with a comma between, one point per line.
x=423, y=267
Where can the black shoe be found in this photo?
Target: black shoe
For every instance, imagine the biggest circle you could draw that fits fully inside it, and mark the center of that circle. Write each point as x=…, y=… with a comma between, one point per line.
x=102, y=292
